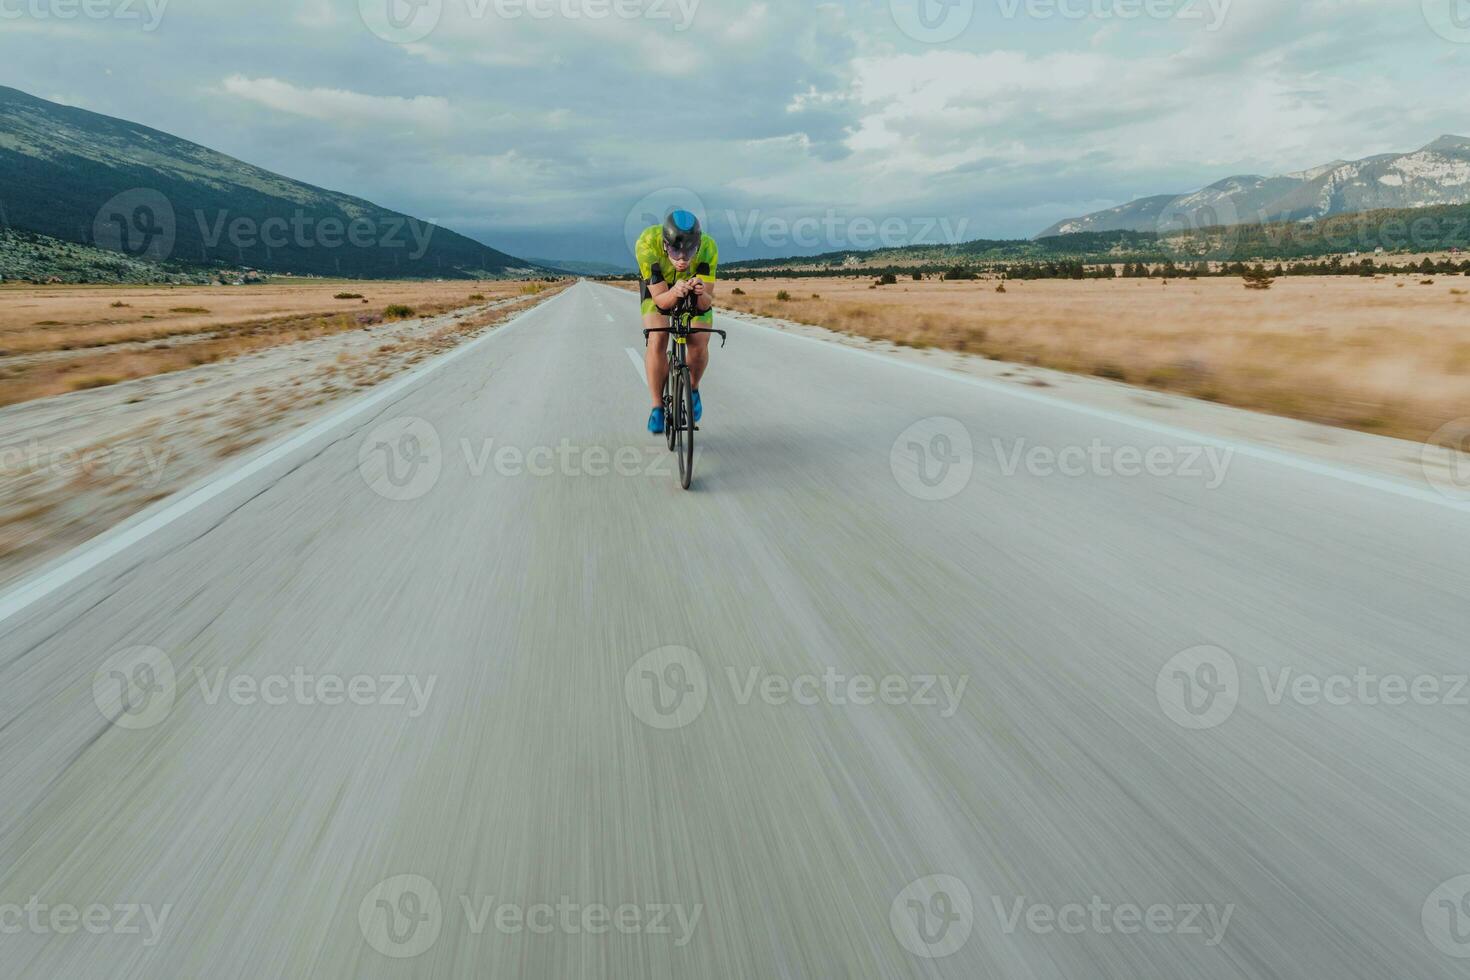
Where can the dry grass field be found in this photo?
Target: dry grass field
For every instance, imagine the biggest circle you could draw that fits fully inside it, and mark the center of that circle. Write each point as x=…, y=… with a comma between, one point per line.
x=55, y=339
x=1389, y=355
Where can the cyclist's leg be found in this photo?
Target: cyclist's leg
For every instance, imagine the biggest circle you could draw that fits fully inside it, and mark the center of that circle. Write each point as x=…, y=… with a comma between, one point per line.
x=699, y=349
x=656, y=357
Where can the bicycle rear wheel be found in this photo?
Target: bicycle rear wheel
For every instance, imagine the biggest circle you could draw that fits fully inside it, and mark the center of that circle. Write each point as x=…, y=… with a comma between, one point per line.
x=671, y=403
x=685, y=438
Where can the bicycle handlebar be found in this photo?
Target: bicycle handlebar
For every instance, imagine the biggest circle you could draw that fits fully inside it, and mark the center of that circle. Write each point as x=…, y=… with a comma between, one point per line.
x=724, y=337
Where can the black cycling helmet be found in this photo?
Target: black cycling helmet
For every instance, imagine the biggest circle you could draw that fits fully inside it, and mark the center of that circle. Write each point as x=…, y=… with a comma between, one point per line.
x=682, y=234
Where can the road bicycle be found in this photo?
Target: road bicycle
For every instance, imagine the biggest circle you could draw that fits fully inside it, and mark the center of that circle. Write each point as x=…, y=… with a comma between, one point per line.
x=679, y=427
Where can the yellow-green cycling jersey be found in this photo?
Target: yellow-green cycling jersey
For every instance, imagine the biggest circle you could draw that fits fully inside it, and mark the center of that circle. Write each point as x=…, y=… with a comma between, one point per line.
x=654, y=265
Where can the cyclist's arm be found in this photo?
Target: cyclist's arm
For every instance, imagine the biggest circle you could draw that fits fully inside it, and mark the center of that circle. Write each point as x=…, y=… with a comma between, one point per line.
x=705, y=286
x=665, y=297
x=704, y=274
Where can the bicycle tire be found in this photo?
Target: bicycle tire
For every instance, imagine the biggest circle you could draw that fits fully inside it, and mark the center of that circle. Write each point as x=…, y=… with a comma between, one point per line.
x=669, y=410
x=686, y=429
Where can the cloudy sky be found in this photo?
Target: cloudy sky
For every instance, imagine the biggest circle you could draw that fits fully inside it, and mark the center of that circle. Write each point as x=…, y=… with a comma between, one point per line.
x=548, y=127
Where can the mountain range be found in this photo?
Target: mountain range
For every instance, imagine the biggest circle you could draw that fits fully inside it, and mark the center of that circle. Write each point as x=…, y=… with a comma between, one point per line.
x=91, y=179
x=1436, y=174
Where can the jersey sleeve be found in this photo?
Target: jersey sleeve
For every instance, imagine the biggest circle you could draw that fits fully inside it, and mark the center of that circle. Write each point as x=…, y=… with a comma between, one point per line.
x=709, y=255
x=646, y=256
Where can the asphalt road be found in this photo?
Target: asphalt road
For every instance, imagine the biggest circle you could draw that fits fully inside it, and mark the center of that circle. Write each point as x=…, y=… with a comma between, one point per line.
x=892, y=692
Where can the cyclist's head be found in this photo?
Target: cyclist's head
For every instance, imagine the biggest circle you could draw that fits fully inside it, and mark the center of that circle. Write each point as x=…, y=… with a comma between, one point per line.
x=682, y=236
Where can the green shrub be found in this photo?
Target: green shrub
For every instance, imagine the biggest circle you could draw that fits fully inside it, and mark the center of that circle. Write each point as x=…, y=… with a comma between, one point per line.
x=348, y=296
x=784, y=296
x=398, y=311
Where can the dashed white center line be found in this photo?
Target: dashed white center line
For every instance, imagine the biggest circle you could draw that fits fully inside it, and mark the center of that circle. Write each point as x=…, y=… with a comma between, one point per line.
x=636, y=356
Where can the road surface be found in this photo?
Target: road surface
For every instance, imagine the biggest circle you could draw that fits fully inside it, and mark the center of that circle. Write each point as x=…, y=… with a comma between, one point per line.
x=917, y=681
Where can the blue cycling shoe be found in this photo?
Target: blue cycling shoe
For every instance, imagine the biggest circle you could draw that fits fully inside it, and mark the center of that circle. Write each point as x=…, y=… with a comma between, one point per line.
x=656, y=421
x=698, y=407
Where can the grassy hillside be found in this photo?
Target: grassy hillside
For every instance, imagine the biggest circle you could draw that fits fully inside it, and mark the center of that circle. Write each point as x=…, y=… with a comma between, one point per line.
x=91, y=179
x=28, y=257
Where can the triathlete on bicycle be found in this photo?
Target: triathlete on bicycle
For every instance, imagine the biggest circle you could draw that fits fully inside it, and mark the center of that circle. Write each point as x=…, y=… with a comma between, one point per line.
x=674, y=261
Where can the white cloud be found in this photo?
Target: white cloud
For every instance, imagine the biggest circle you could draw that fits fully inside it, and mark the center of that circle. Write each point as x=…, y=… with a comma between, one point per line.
x=341, y=105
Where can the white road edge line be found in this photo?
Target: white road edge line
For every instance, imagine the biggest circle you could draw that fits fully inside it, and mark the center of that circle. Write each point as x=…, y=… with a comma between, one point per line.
x=1357, y=477
x=109, y=544
x=638, y=364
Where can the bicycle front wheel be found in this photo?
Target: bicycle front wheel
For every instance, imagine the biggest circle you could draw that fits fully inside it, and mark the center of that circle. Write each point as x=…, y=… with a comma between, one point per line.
x=685, y=437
